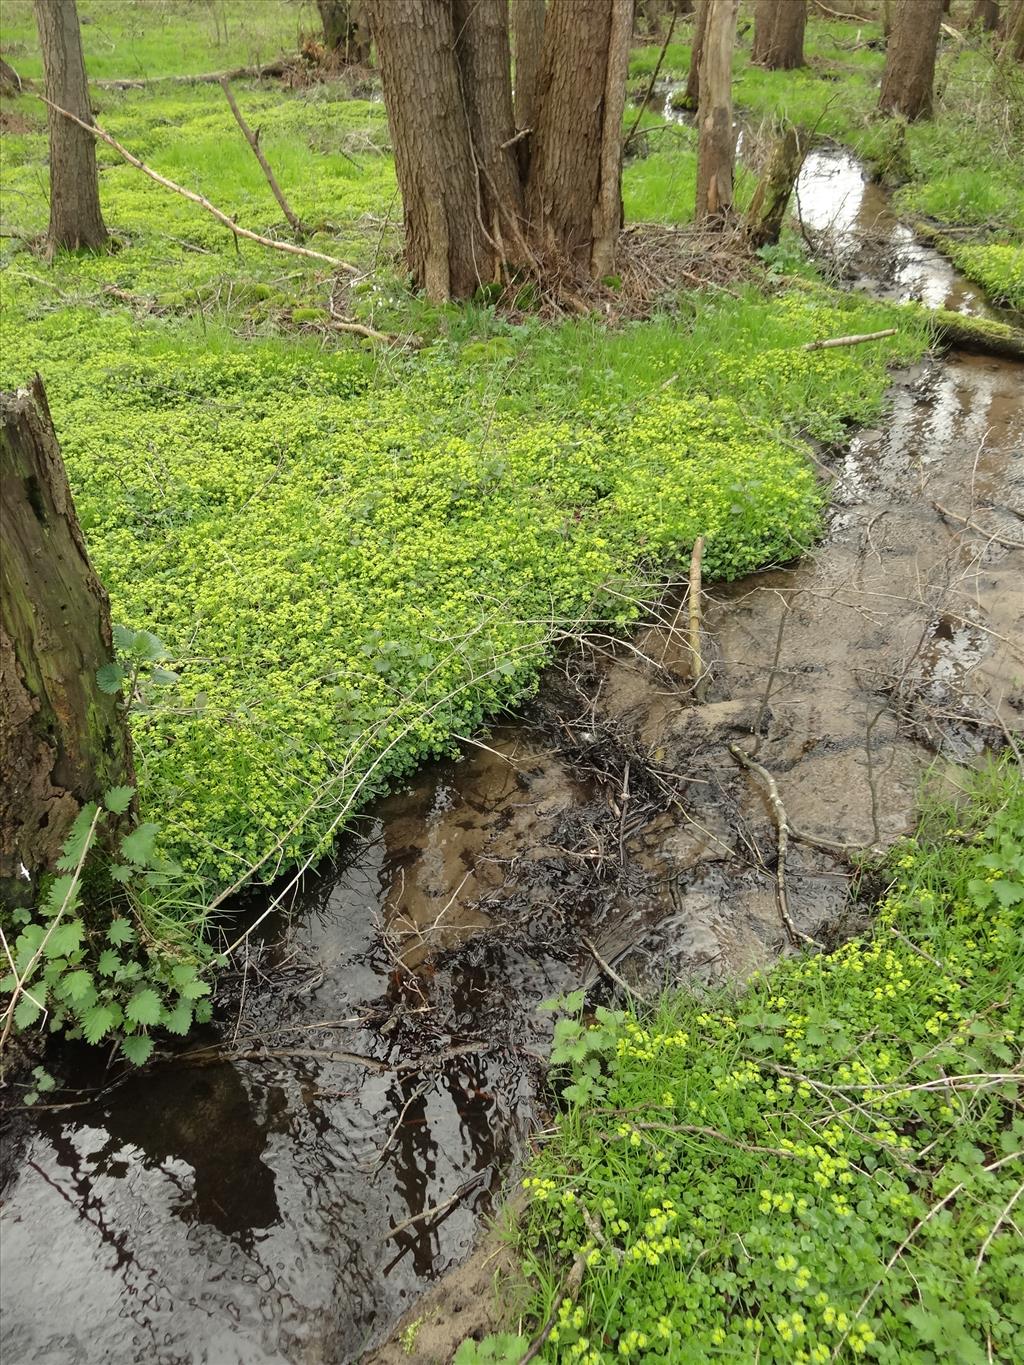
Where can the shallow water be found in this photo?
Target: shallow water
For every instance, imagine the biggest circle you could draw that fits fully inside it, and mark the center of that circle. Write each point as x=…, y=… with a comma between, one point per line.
x=256, y=1210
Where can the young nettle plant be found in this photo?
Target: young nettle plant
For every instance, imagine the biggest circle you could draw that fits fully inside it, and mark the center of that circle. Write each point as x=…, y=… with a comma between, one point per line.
x=136, y=668
x=92, y=976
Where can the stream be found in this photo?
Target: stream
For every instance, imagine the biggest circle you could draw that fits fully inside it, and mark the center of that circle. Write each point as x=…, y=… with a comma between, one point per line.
x=290, y=1204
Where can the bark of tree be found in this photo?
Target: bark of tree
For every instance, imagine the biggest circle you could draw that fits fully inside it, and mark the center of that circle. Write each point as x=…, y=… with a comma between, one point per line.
x=63, y=742
x=528, y=37
x=446, y=248
x=700, y=24
x=779, y=34
x=716, y=143
x=346, y=31
x=607, y=217
x=910, y=59
x=1013, y=43
x=565, y=163
x=985, y=15
x=75, y=216
x=771, y=198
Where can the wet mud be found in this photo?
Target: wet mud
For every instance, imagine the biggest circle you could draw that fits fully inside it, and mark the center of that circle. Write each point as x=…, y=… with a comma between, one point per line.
x=290, y=1185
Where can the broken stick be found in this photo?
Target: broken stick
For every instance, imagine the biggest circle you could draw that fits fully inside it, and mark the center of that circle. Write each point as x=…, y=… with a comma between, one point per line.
x=253, y=140
x=694, y=603
x=848, y=341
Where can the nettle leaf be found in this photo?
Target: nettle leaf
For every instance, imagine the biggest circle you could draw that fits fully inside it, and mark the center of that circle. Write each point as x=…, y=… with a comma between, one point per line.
x=192, y=990
x=108, y=962
x=110, y=678
x=178, y=1020
x=1008, y=893
x=120, y=931
x=97, y=1023
x=65, y=939
x=76, y=985
x=26, y=1012
x=147, y=647
x=203, y=1011
x=123, y=873
x=138, y=1048
x=183, y=972
x=163, y=677
x=118, y=799
x=124, y=637
x=44, y=1081
x=77, y=842
x=60, y=889
x=138, y=846
x=26, y=944
x=144, y=1007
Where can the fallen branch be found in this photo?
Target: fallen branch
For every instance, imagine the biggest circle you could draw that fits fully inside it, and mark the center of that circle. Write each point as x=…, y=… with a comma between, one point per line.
x=847, y=341
x=973, y=526
x=278, y=67
x=360, y=329
x=435, y=1209
x=782, y=824
x=838, y=14
x=608, y=969
x=195, y=198
x=694, y=603
x=253, y=140
x=980, y=335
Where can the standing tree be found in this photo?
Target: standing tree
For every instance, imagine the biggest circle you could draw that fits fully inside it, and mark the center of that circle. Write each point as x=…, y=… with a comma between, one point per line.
x=75, y=217
x=691, y=98
x=910, y=59
x=716, y=142
x=63, y=741
x=345, y=30
x=528, y=35
x=474, y=210
x=985, y=15
x=779, y=34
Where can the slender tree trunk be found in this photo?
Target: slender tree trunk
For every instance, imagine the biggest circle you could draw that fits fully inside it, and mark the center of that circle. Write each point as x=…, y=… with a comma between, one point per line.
x=63, y=742
x=985, y=15
x=565, y=164
x=771, y=198
x=528, y=36
x=608, y=210
x=700, y=25
x=75, y=216
x=910, y=59
x=1012, y=32
x=346, y=32
x=484, y=61
x=716, y=142
x=446, y=247
x=887, y=18
x=779, y=34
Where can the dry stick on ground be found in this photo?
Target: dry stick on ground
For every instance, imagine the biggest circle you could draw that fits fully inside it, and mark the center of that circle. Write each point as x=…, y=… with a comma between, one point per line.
x=199, y=199
x=847, y=341
x=694, y=601
x=782, y=824
x=973, y=526
x=609, y=970
x=253, y=140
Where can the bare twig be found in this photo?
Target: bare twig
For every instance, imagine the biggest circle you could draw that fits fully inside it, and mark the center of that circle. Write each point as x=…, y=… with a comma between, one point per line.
x=253, y=140
x=973, y=526
x=290, y=247
x=609, y=970
x=650, y=85
x=997, y=1225
x=694, y=601
x=848, y=341
x=436, y=1209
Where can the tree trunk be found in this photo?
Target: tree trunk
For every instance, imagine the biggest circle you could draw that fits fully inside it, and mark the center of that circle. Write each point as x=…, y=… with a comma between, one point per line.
x=63, y=742
x=716, y=142
x=446, y=248
x=779, y=34
x=1013, y=43
x=608, y=209
x=565, y=164
x=700, y=25
x=887, y=18
x=346, y=32
x=910, y=59
x=771, y=198
x=75, y=217
x=985, y=15
x=484, y=62
x=528, y=35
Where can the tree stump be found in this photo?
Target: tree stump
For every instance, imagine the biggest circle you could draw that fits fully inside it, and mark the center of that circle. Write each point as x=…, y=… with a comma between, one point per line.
x=63, y=742
x=768, y=206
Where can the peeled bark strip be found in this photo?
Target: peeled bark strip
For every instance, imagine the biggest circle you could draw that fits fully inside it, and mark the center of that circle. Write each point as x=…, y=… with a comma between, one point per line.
x=446, y=248
x=75, y=216
x=528, y=38
x=700, y=25
x=716, y=141
x=565, y=165
x=771, y=198
x=63, y=742
x=779, y=34
x=608, y=210
x=910, y=59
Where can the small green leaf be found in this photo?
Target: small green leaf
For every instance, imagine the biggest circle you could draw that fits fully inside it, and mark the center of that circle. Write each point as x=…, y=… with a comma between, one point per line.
x=124, y=637
x=109, y=678
x=44, y=1081
x=118, y=799
x=75, y=985
x=163, y=677
x=97, y=1023
x=192, y=990
x=143, y=1007
x=27, y=1011
x=137, y=847
x=108, y=962
x=65, y=939
x=146, y=647
x=137, y=1048
x=77, y=842
x=183, y=972
x=178, y=1020
x=122, y=873
x=203, y=1011
x=120, y=931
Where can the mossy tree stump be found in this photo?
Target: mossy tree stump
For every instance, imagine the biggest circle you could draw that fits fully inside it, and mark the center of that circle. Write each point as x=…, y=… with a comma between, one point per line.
x=63, y=741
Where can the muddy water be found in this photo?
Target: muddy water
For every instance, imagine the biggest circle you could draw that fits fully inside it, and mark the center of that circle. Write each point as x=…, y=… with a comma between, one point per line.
x=287, y=1204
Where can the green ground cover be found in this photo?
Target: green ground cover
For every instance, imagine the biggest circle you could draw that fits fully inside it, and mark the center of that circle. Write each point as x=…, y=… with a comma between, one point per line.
x=824, y=1161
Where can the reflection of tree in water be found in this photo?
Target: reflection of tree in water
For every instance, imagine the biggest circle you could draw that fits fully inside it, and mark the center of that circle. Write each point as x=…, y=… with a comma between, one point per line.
x=415, y=1164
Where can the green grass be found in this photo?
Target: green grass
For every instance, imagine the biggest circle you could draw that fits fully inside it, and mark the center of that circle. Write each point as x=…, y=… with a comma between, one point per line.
x=822, y=1164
